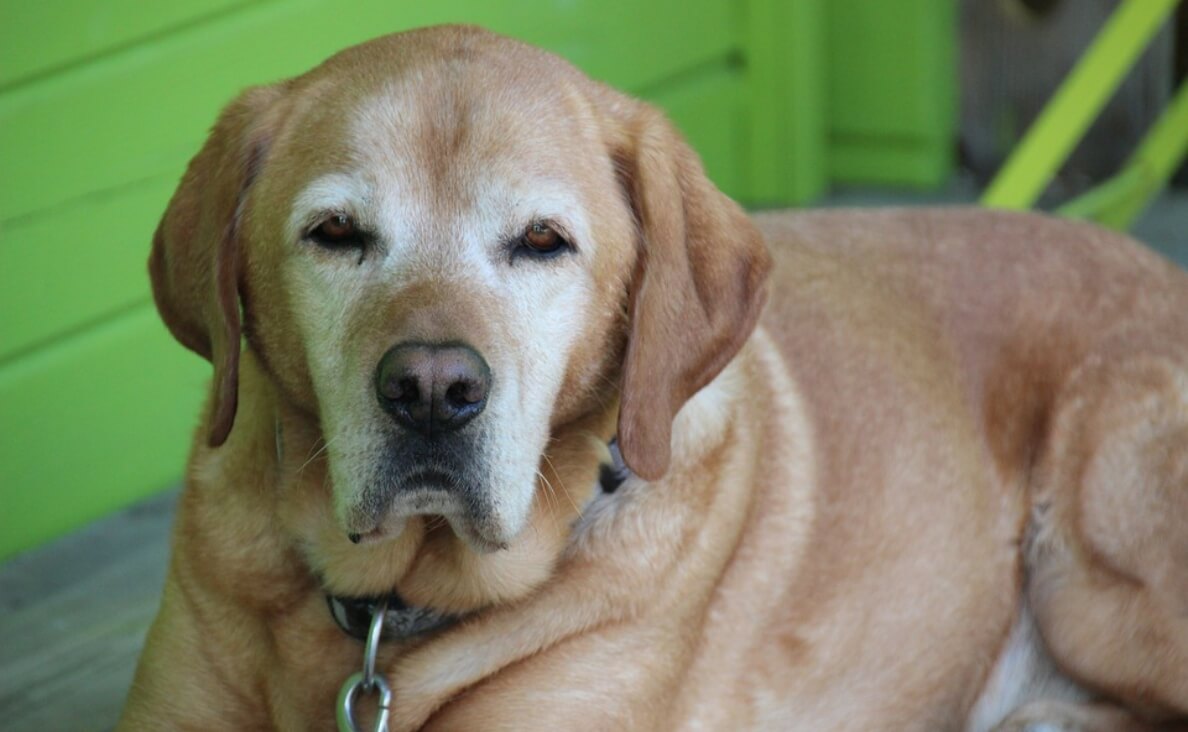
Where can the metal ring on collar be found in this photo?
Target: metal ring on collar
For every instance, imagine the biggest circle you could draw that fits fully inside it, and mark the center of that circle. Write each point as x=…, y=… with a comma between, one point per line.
x=366, y=680
x=372, y=647
x=346, y=702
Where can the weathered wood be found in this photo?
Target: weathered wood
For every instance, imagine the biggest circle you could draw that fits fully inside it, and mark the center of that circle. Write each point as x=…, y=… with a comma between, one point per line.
x=73, y=615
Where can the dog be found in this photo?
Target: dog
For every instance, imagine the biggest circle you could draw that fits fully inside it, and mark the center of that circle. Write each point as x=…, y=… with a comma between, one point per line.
x=489, y=347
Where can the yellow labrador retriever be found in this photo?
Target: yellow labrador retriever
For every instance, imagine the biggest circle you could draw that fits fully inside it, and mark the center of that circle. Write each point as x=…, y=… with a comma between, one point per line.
x=906, y=470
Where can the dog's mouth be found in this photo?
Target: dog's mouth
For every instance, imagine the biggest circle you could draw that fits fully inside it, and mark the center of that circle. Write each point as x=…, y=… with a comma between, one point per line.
x=433, y=521
x=422, y=479
x=440, y=495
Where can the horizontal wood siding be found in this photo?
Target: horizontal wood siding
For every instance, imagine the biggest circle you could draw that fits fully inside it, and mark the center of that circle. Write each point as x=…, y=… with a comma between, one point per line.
x=892, y=107
x=93, y=422
x=41, y=37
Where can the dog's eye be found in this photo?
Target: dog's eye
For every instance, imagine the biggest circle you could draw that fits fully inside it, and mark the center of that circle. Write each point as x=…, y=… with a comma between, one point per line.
x=542, y=240
x=337, y=231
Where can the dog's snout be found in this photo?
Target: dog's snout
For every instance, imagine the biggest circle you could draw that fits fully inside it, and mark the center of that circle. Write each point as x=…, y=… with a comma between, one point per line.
x=432, y=388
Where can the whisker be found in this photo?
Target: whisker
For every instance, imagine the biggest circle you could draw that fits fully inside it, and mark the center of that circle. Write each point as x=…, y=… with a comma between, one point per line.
x=320, y=450
x=568, y=497
x=550, y=493
x=314, y=446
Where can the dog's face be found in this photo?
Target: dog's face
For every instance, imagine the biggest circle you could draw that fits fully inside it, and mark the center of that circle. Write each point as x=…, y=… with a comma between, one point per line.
x=447, y=246
x=454, y=244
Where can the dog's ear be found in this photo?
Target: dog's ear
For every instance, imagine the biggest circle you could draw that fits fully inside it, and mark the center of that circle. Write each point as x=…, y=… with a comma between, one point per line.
x=194, y=265
x=698, y=288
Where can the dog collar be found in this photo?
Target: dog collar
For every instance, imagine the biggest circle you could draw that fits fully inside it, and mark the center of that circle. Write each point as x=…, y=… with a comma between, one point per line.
x=401, y=620
x=611, y=475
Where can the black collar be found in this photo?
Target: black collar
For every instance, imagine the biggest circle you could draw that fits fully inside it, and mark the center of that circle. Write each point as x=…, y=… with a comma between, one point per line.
x=401, y=621
x=611, y=475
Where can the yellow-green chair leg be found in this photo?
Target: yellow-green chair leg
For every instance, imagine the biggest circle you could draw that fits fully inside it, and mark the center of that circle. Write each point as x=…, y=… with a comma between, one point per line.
x=1119, y=201
x=1076, y=103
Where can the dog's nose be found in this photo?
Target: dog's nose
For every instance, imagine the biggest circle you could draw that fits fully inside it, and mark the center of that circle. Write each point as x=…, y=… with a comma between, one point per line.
x=432, y=388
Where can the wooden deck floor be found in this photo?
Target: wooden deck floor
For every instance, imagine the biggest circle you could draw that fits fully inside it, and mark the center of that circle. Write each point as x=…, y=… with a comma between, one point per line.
x=73, y=615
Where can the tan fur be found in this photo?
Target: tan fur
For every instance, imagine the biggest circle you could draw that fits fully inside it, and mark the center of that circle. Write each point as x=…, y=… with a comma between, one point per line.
x=938, y=482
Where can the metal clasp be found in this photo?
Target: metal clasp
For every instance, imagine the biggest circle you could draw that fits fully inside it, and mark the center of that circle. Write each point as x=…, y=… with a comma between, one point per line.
x=366, y=681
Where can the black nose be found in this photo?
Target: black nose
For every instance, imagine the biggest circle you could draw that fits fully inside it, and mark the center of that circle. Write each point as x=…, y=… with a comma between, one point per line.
x=432, y=388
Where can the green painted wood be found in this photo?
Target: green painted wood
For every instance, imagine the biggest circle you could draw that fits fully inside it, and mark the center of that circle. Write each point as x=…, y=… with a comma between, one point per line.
x=708, y=109
x=40, y=36
x=886, y=161
x=891, y=89
x=92, y=424
x=784, y=145
x=145, y=109
x=63, y=272
x=1120, y=200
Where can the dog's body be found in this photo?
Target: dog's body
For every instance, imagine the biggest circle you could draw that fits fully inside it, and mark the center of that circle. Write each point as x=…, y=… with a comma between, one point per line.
x=950, y=435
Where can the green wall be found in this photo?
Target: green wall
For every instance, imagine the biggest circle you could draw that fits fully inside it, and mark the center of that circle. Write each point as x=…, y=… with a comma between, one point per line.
x=102, y=104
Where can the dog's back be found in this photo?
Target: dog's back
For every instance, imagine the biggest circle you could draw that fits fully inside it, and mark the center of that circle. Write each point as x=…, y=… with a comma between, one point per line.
x=1037, y=369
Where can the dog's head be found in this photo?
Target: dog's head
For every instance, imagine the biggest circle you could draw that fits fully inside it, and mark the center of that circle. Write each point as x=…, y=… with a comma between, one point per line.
x=445, y=245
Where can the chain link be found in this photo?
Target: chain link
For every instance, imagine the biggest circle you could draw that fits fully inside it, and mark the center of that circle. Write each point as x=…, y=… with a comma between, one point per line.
x=367, y=681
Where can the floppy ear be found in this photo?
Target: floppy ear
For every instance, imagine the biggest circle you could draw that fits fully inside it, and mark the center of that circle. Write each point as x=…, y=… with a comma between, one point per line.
x=697, y=291
x=194, y=264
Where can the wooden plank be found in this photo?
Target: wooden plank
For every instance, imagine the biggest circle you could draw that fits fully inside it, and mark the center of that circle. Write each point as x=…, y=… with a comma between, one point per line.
x=146, y=108
x=78, y=266
x=40, y=37
x=93, y=423
x=888, y=161
x=73, y=616
x=786, y=124
x=707, y=107
x=891, y=78
x=883, y=60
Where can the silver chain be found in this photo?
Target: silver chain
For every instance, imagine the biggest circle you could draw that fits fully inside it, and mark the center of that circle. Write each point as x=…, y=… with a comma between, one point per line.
x=367, y=681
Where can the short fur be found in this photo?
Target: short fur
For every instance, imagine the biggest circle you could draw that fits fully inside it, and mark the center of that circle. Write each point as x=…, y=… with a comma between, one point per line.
x=940, y=481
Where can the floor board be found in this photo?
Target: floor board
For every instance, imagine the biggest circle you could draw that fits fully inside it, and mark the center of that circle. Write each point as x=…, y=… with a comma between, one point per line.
x=73, y=615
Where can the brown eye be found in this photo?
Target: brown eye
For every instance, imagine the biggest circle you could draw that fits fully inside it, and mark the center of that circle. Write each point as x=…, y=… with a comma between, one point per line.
x=336, y=231
x=542, y=239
